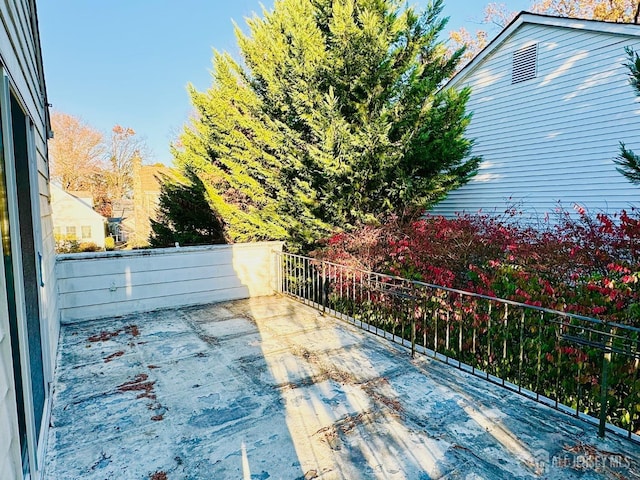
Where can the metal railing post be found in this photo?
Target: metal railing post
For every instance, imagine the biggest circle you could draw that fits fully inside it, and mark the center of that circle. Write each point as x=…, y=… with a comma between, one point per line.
x=604, y=387
x=323, y=289
x=413, y=336
x=413, y=304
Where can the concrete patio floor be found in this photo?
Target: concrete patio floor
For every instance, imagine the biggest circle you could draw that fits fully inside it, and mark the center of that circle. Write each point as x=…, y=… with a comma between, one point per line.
x=268, y=388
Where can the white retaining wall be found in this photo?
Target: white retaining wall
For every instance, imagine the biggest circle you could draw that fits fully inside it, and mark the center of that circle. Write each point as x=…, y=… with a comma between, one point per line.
x=104, y=284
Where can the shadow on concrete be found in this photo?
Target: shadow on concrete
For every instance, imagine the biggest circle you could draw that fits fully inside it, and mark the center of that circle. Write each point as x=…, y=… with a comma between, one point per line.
x=267, y=388
x=358, y=407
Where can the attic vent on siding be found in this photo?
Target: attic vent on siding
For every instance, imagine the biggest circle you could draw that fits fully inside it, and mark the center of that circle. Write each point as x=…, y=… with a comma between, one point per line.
x=525, y=64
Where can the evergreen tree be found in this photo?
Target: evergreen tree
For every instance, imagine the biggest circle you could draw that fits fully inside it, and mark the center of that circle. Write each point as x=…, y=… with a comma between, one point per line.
x=335, y=117
x=184, y=215
x=628, y=162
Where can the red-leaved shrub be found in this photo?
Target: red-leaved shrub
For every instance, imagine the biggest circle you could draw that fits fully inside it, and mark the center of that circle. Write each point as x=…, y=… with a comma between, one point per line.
x=580, y=263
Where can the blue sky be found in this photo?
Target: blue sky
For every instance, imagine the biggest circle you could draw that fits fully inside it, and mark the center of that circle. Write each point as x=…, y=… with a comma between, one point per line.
x=128, y=62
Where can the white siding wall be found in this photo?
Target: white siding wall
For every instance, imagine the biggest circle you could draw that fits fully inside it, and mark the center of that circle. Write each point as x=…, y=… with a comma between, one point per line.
x=96, y=285
x=20, y=59
x=9, y=443
x=551, y=138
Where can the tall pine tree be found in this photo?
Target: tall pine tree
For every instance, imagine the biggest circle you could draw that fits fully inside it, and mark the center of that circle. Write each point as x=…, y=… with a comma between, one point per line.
x=629, y=162
x=335, y=117
x=184, y=215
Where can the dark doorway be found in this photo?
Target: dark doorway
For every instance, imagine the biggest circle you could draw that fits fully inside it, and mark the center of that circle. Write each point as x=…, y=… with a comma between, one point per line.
x=11, y=301
x=25, y=247
x=29, y=254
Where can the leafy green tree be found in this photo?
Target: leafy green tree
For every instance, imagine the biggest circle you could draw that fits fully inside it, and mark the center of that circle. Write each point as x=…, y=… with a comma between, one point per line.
x=184, y=215
x=628, y=162
x=335, y=117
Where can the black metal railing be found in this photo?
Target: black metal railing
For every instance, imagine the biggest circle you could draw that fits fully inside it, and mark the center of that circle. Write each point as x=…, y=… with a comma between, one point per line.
x=576, y=364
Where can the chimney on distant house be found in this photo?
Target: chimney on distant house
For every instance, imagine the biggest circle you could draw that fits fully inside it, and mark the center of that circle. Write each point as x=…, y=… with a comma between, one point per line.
x=146, y=192
x=139, y=237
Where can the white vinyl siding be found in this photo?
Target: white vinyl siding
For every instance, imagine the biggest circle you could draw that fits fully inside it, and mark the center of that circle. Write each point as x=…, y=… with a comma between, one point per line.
x=551, y=138
x=9, y=442
x=20, y=60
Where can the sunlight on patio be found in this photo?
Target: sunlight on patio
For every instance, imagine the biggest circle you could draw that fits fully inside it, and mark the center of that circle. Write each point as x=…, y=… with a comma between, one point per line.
x=270, y=388
x=320, y=425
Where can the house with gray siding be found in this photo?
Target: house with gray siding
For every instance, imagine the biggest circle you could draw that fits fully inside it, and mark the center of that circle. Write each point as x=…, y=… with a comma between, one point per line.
x=29, y=324
x=551, y=101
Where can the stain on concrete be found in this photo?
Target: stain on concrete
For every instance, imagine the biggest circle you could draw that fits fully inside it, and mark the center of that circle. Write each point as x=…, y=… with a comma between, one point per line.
x=267, y=388
x=113, y=356
x=219, y=416
x=139, y=384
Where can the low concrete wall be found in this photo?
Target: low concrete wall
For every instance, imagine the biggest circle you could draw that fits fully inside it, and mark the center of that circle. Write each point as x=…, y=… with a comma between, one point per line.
x=97, y=285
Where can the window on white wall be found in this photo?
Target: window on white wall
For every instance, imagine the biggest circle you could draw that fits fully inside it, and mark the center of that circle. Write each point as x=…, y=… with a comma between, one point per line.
x=71, y=233
x=86, y=231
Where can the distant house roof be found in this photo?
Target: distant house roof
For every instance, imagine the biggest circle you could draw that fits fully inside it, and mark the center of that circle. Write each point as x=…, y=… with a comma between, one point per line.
x=149, y=175
x=59, y=195
x=122, y=208
x=523, y=17
x=83, y=195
